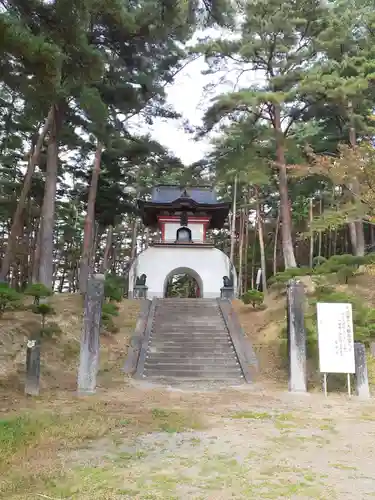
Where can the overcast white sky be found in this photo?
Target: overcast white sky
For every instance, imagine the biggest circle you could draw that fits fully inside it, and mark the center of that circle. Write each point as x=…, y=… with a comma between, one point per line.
x=186, y=95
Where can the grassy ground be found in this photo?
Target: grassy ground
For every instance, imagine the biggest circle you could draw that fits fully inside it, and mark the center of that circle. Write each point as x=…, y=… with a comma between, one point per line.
x=149, y=443
x=60, y=353
x=137, y=442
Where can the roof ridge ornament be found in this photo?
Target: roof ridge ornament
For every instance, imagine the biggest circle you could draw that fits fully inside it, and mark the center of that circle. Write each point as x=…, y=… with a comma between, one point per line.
x=185, y=194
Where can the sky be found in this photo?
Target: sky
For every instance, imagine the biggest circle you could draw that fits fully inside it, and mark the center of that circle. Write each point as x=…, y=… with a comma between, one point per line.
x=187, y=97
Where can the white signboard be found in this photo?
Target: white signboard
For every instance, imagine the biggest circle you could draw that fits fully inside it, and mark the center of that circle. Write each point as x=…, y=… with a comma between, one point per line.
x=335, y=335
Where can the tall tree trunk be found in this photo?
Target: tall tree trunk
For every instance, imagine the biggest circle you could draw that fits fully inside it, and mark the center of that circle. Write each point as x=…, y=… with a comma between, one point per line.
x=240, y=257
x=246, y=256
x=311, y=233
x=36, y=261
x=107, y=250
x=89, y=221
x=358, y=243
x=134, y=239
x=261, y=244
x=320, y=231
x=233, y=226
x=286, y=220
x=17, y=218
x=275, y=243
x=48, y=208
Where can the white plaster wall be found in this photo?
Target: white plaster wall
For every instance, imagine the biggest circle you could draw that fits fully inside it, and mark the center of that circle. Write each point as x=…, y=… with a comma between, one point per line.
x=158, y=262
x=195, y=228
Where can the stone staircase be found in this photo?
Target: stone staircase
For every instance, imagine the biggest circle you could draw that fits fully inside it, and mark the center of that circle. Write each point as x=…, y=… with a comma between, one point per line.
x=189, y=340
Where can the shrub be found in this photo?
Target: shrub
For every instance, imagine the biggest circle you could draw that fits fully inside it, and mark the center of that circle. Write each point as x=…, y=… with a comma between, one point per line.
x=109, y=310
x=113, y=288
x=38, y=291
x=9, y=298
x=52, y=329
x=44, y=310
x=254, y=297
x=318, y=261
x=288, y=274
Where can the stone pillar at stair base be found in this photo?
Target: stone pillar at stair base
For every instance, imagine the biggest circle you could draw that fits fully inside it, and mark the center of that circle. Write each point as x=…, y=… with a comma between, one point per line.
x=362, y=388
x=140, y=292
x=227, y=293
x=89, y=355
x=296, y=337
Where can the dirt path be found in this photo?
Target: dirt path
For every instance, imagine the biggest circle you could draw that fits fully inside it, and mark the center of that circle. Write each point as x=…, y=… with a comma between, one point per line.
x=247, y=444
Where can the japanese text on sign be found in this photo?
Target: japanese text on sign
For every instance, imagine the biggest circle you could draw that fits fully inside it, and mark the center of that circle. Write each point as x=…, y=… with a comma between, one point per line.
x=335, y=335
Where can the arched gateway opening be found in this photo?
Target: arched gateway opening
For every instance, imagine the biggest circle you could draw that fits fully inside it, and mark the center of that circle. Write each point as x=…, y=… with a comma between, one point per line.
x=183, y=282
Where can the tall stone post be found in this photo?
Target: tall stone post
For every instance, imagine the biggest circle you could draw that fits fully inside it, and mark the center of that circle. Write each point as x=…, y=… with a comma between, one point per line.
x=89, y=356
x=32, y=367
x=296, y=336
x=362, y=388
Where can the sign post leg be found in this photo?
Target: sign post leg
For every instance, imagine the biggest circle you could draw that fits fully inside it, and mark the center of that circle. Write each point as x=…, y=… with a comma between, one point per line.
x=349, y=387
x=325, y=384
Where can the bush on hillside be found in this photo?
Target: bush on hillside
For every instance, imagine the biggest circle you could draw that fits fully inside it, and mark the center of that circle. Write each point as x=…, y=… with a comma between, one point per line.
x=318, y=261
x=344, y=266
x=113, y=288
x=363, y=318
x=38, y=291
x=288, y=274
x=113, y=292
x=254, y=297
x=9, y=298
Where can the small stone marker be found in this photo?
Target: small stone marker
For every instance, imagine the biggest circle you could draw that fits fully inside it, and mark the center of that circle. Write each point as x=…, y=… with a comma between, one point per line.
x=32, y=367
x=362, y=388
x=89, y=356
x=296, y=336
x=372, y=349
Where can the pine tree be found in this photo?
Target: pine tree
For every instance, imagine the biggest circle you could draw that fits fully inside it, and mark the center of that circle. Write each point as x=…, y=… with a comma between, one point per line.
x=278, y=39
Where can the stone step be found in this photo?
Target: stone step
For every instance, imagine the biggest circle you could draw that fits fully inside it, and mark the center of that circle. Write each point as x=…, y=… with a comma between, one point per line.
x=197, y=363
x=168, y=350
x=221, y=334
x=179, y=371
x=189, y=341
x=187, y=319
x=183, y=356
x=177, y=319
x=186, y=310
x=189, y=328
x=204, y=382
x=190, y=315
x=190, y=344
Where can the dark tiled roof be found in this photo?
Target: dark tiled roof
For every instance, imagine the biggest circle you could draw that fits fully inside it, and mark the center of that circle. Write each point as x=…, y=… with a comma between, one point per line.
x=168, y=194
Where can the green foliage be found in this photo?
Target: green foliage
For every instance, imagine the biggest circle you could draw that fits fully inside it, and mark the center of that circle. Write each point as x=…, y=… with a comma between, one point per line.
x=50, y=330
x=363, y=322
x=254, y=297
x=9, y=298
x=318, y=261
x=38, y=291
x=109, y=310
x=113, y=288
x=43, y=310
x=363, y=315
x=288, y=274
x=345, y=266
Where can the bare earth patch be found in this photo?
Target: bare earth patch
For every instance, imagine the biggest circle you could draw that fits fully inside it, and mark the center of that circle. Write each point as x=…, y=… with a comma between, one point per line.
x=154, y=443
